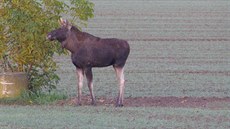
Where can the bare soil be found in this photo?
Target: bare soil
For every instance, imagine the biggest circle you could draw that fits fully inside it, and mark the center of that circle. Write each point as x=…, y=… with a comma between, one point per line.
x=185, y=102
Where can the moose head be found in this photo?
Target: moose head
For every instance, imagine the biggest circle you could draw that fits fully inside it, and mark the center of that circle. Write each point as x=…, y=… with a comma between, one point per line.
x=61, y=33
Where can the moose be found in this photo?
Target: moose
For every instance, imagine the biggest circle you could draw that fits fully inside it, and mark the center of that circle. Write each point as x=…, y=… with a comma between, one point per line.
x=88, y=51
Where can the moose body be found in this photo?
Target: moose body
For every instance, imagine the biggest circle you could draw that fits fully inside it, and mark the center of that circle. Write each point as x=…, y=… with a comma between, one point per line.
x=88, y=51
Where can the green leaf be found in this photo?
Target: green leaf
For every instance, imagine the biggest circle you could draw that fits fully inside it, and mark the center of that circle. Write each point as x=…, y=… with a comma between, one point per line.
x=23, y=27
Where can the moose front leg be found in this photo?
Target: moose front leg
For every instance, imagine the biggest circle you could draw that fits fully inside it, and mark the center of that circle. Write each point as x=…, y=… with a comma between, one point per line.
x=89, y=76
x=80, y=76
x=121, y=80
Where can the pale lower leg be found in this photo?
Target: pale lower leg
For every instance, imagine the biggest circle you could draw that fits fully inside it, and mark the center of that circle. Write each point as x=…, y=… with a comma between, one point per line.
x=89, y=76
x=121, y=80
x=90, y=85
x=80, y=77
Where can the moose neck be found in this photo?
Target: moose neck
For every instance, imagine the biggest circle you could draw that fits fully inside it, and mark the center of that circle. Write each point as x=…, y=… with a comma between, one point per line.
x=74, y=40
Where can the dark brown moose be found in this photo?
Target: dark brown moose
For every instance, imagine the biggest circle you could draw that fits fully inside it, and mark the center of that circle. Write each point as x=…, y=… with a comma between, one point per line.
x=88, y=51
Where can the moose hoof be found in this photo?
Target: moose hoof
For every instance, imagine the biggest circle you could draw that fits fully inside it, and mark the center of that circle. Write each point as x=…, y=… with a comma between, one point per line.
x=77, y=104
x=93, y=103
x=119, y=105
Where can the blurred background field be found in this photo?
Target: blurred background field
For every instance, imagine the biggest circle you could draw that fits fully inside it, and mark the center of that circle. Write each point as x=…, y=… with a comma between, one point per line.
x=178, y=48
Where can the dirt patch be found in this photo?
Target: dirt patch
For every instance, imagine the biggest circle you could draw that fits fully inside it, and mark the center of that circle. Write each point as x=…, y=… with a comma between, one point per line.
x=187, y=102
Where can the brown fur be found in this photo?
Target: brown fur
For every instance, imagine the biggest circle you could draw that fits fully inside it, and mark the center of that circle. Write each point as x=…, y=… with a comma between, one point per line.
x=88, y=51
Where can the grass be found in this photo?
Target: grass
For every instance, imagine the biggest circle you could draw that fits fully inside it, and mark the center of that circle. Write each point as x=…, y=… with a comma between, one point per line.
x=30, y=98
x=109, y=117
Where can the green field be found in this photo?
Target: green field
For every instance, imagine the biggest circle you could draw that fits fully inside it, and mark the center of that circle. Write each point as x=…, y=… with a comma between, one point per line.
x=179, y=48
x=49, y=117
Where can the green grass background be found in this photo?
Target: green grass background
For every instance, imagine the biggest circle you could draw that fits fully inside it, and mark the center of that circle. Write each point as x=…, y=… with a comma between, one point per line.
x=160, y=64
x=52, y=117
x=197, y=65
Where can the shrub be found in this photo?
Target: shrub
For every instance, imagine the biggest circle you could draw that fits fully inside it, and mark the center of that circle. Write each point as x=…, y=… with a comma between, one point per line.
x=23, y=28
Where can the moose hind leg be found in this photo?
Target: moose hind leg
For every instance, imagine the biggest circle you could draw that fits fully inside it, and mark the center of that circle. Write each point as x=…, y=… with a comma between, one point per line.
x=89, y=76
x=80, y=77
x=120, y=77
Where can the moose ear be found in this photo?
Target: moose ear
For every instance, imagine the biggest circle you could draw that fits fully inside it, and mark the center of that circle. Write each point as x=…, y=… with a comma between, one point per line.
x=60, y=21
x=69, y=26
x=65, y=23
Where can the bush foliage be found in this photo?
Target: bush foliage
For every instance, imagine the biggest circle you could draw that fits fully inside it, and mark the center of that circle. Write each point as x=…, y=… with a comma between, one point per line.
x=23, y=28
